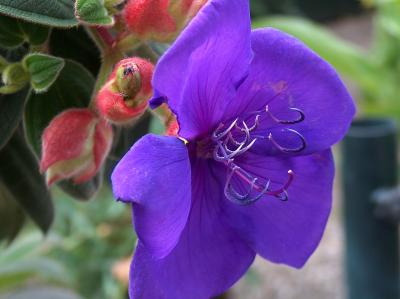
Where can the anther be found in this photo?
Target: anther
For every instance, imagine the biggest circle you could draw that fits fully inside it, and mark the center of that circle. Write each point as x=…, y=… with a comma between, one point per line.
x=300, y=118
x=286, y=149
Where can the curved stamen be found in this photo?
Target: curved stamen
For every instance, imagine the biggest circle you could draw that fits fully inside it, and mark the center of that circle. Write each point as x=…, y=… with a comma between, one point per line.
x=283, y=190
x=256, y=123
x=247, y=198
x=218, y=135
x=299, y=119
x=232, y=153
x=246, y=127
x=243, y=129
x=286, y=149
x=217, y=157
x=228, y=154
x=233, y=140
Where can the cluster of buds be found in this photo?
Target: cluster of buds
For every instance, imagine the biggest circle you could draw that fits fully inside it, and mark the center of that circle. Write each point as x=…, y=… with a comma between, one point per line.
x=77, y=141
x=125, y=96
x=74, y=146
x=159, y=20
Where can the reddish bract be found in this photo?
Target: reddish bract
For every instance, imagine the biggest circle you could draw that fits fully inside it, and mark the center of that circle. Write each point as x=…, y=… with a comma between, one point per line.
x=149, y=19
x=125, y=96
x=74, y=146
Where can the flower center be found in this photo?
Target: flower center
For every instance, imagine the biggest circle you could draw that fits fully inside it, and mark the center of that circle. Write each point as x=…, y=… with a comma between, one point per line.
x=228, y=142
x=205, y=148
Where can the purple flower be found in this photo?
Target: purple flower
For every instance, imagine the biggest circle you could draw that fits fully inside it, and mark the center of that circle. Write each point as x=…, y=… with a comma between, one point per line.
x=259, y=112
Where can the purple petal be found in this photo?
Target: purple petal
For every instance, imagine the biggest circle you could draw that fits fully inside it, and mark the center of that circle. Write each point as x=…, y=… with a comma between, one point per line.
x=208, y=259
x=286, y=74
x=287, y=231
x=199, y=74
x=155, y=177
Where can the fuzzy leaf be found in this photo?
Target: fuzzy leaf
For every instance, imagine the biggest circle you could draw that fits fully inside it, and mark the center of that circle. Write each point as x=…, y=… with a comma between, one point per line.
x=35, y=34
x=14, y=32
x=11, y=35
x=93, y=12
x=11, y=111
x=43, y=70
x=75, y=44
x=57, y=13
x=12, y=217
x=19, y=172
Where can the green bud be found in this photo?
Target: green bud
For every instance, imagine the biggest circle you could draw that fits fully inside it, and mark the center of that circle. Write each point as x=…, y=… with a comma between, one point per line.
x=128, y=80
x=14, y=77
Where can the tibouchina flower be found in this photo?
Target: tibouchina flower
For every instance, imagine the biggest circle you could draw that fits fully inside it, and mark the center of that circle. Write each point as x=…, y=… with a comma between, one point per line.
x=258, y=112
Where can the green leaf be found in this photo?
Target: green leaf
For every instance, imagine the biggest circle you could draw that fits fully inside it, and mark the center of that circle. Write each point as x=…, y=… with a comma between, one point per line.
x=19, y=172
x=43, y=70
x=23, y=260
x=56, y=13
x=15, y=32
x=11, y=111
x=42, y=292
x=72, y=89
x=35, y=34
x=75, y=44
x=93, y=12
x=11, y=35
x=12, y=217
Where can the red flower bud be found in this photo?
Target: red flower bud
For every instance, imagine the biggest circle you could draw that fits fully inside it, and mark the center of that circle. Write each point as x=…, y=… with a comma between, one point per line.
x=125, y=95
x=160, y=20
x=74, y=146
x=149, y=19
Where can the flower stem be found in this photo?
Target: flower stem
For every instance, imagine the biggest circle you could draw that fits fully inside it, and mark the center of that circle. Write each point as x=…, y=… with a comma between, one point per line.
x=148, y=52
x=101, y=37
x=110, y=55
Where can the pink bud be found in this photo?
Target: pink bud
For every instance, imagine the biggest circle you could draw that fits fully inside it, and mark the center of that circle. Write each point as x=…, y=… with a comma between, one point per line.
x=74, y=146
x=125, y=96
x=160, y=20
x=149, y=19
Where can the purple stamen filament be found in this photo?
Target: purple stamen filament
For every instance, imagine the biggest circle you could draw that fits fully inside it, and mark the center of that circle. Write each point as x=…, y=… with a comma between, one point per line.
x=224, y=153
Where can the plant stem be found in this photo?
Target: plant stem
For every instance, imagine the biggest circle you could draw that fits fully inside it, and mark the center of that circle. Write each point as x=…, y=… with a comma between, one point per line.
x=101, y=37
x=110, y=55
x=149, y=53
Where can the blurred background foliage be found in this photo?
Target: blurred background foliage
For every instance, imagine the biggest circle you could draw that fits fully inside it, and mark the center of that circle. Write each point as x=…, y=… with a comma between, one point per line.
x=90, y=242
